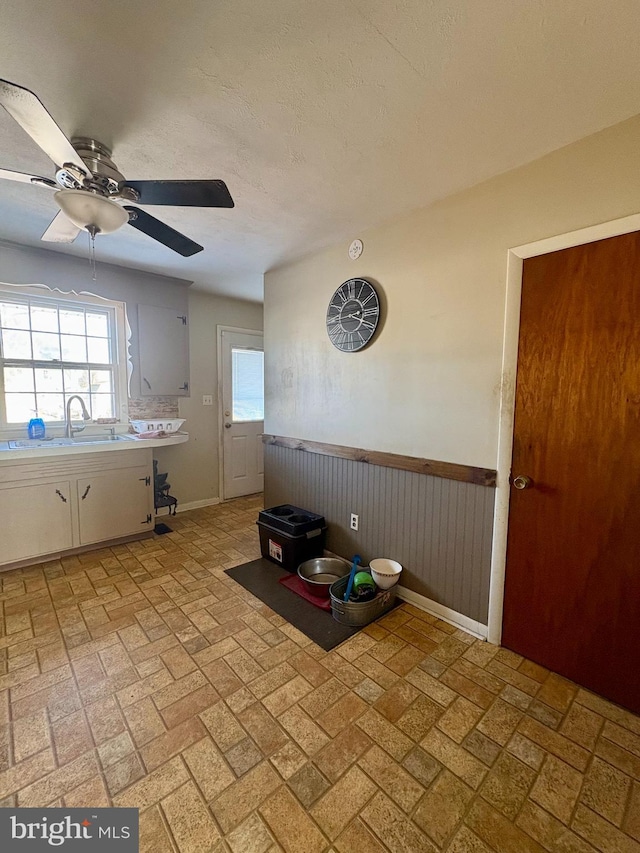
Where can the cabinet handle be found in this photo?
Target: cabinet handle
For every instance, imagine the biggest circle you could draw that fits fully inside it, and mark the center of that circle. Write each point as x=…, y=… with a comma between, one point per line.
x=184, y=387
x=147, y=520
x=86, y=492
x=61, y=496
x=146, y=382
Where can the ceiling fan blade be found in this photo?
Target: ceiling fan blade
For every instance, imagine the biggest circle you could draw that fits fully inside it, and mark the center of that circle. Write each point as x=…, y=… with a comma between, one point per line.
x=61, y=230
x=31, y=114
x=27, y=179
x=161, y=232
x=183, y=193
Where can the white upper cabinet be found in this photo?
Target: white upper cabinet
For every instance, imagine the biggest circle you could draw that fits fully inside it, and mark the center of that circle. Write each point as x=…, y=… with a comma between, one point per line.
x=163, y=339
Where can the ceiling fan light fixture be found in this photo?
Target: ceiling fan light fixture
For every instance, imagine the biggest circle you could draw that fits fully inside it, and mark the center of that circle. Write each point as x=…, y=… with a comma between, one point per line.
x=88, y=210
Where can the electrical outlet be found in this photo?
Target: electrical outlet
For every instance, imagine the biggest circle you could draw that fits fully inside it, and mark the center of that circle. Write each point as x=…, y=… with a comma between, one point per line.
x=355, y=519
x=207, y=400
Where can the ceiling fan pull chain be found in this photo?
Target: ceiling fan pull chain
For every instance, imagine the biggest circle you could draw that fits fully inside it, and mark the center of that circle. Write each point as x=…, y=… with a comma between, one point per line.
x=92, y=251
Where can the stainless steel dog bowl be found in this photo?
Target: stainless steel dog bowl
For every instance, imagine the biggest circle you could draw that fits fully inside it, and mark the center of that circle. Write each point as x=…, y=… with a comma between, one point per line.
x=318, y=574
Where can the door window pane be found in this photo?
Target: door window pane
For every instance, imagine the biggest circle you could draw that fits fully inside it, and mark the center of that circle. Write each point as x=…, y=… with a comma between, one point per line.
x=247, y=381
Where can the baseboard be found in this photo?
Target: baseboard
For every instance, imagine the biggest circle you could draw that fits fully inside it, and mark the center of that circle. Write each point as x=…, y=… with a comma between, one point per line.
x=459, y=620
x=71, y=552
x=185, y=507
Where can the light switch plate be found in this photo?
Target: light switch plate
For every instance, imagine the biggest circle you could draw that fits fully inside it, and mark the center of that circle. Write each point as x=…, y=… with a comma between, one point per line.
x=207, y=400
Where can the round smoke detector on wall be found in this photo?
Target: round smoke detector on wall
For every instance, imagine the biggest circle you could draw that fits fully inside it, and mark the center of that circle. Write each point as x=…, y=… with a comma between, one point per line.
x=355, y=249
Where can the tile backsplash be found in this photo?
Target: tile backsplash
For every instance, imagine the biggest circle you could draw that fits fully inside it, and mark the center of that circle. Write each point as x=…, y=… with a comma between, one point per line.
x=149, y=407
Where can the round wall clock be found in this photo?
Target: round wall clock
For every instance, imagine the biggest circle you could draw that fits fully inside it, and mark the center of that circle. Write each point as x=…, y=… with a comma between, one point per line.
x=353, y=315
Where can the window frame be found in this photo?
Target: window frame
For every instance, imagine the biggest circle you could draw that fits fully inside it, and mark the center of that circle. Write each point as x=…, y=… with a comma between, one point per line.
x=120, y=337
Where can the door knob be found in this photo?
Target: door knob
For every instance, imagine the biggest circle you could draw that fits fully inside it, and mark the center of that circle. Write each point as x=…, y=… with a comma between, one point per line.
x=227, y=426
x=522, y=482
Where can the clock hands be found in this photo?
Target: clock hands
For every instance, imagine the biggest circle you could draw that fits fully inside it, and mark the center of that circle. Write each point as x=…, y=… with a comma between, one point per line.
x=339, y=317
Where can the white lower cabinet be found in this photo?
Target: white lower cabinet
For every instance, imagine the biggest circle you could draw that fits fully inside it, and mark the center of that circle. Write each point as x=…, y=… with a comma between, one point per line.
x=114, y=504
x=55, y=505
x=35, y=519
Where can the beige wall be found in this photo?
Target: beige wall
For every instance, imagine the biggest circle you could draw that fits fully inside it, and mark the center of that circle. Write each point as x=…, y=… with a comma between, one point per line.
x=193, y=467
x=429, y=384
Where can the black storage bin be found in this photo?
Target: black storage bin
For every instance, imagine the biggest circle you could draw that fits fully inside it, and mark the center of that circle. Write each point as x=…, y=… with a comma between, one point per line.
x=289, y=551
x=291, y=519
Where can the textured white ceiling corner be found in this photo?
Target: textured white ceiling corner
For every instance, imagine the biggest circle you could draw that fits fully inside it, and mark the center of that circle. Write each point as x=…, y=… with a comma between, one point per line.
x=324, y=117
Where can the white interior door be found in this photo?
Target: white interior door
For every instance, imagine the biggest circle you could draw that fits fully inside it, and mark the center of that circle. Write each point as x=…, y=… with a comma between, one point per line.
x=242, y=361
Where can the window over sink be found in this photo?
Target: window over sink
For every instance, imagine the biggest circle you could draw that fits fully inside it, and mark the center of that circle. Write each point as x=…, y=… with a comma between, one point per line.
x=54, y=346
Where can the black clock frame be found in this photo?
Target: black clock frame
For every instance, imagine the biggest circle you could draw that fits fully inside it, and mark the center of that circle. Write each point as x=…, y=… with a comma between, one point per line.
x=353, y=315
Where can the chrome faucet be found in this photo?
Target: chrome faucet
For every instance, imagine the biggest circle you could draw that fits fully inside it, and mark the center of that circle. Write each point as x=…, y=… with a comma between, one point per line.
x=69, y=429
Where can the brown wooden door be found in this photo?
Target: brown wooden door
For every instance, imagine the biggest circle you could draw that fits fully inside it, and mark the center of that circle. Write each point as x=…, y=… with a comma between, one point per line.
x=572, y=591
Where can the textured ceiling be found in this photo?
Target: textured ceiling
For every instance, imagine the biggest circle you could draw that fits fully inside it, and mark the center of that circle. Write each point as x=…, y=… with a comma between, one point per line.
x=324, y=117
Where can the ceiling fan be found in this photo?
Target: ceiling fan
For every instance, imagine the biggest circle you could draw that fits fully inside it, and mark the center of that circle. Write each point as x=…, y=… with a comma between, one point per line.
x=92, y=194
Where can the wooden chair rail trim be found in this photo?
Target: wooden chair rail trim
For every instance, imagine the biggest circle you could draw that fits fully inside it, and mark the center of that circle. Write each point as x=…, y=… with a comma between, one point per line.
x=447, y=470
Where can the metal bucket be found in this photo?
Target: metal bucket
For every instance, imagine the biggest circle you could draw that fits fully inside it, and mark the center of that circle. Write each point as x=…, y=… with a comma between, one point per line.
x=359, y=613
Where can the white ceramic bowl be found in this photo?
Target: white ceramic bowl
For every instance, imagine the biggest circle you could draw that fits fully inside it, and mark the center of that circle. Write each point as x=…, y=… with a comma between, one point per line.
x=385, y=573
x=153, y=424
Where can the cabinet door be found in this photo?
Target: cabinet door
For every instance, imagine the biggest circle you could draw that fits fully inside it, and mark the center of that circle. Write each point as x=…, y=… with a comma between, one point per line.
x=163, y=339
x=34, y=519
x=119, y=503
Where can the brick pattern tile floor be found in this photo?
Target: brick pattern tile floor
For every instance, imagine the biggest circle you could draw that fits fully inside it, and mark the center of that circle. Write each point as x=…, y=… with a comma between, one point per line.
x=142, y=675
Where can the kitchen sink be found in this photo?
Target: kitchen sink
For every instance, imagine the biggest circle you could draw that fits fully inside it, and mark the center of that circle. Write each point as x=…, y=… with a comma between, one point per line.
x=35, y=444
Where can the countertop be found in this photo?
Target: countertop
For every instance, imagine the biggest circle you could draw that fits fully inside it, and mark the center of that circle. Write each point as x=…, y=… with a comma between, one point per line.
x=127, y=442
